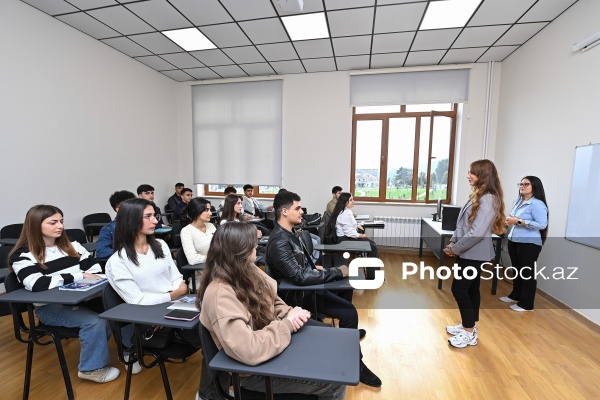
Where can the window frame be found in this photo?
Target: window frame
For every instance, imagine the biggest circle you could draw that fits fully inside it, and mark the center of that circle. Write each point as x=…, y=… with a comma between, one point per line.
x=257, y=192
x=383, y=167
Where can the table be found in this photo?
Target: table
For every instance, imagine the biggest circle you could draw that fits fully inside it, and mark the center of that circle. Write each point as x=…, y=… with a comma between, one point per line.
x=194, y=268
x=90, y=246
x=362, y=217
x=315, y=353
x=436, y=239
x=8, y=241
x=147, y=315
x=359, y=246
x=55, y=296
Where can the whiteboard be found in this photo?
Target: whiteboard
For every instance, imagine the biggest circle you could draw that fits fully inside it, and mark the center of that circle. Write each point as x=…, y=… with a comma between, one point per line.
x=583, y=219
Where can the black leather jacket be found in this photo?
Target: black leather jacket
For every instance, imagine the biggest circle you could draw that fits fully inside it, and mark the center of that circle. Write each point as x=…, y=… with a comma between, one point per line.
x=285, y=259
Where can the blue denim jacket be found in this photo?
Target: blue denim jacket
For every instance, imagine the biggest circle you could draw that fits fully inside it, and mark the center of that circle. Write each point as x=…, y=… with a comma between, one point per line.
x=104, y=247
x=534, y=214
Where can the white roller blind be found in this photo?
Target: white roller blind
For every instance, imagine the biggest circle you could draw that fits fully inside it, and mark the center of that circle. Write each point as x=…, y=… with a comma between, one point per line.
x=422, y=87
x=237, y=132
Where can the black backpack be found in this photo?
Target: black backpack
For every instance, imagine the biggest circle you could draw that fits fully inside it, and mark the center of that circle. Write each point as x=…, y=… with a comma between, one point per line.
x=311, y=219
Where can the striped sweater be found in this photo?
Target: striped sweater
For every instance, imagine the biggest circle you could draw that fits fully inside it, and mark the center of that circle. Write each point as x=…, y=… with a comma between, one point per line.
x=60, y=268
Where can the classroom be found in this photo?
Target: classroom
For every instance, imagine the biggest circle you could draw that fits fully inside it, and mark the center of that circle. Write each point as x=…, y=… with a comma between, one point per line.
x=80, y=120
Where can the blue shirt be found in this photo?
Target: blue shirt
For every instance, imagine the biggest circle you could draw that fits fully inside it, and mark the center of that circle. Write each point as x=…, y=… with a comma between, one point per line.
x=104, y=247
x=534, y=214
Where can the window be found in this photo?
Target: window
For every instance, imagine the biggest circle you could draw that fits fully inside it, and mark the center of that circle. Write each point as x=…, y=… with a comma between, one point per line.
x=259, y=191
x=403, y=156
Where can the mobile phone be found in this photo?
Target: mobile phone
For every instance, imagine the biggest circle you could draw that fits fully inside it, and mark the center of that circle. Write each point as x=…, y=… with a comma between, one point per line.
x=183, y=315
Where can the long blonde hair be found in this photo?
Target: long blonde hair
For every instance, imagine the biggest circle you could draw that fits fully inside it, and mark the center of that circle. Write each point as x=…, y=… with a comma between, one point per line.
x=487, y=182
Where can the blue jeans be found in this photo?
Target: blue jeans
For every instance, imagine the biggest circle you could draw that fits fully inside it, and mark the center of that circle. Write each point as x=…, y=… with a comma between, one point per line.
x=324, y=391
x=93, y=335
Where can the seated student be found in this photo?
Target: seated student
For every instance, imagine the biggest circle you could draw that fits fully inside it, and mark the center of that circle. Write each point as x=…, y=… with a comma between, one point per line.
x=288, y=259
x=254, y=210
x=335, y=192
x=228, y=190
x=44, y=258
x=186, y=197
x=232, y=212
x=147, y=192
x=346, y=228
x=107, y=233
x=176, y=197
x=241, y=310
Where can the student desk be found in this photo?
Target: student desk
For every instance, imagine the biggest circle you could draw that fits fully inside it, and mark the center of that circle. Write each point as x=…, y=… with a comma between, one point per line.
x=437, y=239
x=8, y=241
x=357, y=246
x=315, y=353
x=146, y=315
x=54, y=296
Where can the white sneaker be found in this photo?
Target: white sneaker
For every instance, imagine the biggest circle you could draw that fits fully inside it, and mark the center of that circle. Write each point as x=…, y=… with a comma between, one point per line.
x=464, y=339
x=515, y=307
x=136, y=368
x=507, y=299
x=101, y=375
x=455, y=329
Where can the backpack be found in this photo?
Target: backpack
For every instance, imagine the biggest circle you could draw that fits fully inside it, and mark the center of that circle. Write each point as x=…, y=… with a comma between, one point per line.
x=311, y=219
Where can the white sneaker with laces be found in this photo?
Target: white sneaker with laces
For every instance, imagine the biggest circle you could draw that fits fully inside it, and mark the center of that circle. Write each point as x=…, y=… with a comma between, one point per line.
x=136, y=368
x=101, y=375
x=515, y=307
x=506, y=299
x=455, y=329
x=464, y=339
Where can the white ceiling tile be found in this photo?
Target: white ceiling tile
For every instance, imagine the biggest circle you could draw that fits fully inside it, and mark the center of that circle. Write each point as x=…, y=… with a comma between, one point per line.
x=202, y=73
x=265, y=31
x=127, y=46
x=497, y=53
x=319, y=65
x=243, y=9
x=257, y=69
x=288, y=67
x=546, y=10
x=182, y=60
x=229, y=71
x=417, y=58
x=339, y=4
x=521, y=33
x=177, y=75
x=434, y=39
x=160, y=14
x=244, y=55
x=460, y=56
x=278, y=51
x=89, y=4
x=226, y=35
x=387, y=60
x=89, y=25
x=310, y=6
x=352, y=62
x=352, y=46
x=121, y=20
x=350, y=22
x=155, y=62
x=497, y=12
x=204, y=12
x=212, y=57
x=52, y=7
x=480, y=36
x=319, y=48
x=398, y=18
x=156, y=42
x=392, y=42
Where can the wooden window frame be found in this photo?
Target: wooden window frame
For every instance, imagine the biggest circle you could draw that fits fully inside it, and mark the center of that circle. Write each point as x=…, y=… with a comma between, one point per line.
x=257, y=192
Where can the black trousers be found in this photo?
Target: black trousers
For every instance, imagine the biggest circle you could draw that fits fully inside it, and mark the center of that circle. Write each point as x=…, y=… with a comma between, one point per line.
x=523, y=257
x=466, y=292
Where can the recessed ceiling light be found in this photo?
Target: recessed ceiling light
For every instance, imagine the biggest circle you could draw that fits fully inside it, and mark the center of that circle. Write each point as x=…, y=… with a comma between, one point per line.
x=190, y=39
x=306, y=26
x=448, y=14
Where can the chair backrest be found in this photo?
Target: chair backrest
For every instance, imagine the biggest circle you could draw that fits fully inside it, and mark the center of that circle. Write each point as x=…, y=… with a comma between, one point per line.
x=180, y=258
x=209, y=349
x=97, y=217
x=12, y=231
x=325, y=221
x=76, y=235
x=11, y=283
x=4, y=250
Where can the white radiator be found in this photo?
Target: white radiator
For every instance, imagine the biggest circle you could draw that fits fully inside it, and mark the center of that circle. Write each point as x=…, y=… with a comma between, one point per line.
x=398, y=232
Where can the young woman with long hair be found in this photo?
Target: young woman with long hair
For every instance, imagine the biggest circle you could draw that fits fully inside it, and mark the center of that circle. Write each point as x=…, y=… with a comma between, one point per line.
x=233, y=211
x=528, y=224
x=197, y=230
x=44, y=258
x=240, y=307
x=472, y=243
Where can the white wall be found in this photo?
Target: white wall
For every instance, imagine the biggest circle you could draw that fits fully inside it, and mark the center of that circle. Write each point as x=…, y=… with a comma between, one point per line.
x=548, y=106
x=78, y=119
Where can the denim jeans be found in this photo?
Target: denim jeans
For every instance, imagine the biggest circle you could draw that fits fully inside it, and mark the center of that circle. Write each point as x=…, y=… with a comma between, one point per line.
x=93, y=335
x=324, y=391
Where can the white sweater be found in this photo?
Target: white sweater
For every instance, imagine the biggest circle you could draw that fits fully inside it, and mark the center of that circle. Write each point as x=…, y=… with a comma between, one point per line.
x=195, y=243
x=148, y=283
x=345, y=225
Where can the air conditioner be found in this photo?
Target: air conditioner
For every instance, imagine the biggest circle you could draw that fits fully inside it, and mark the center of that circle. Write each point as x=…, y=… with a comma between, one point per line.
x=290, y=6
x=587, y=43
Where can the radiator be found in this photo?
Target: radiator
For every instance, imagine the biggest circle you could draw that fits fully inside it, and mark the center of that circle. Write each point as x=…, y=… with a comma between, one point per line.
x=398, y=232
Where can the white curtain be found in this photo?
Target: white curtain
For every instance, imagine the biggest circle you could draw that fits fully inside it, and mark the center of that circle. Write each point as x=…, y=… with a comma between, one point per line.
x=237, y=132
x=423, y=87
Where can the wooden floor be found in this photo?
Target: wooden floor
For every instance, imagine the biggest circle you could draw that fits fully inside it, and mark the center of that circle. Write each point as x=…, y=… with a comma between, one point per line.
x=545, y=354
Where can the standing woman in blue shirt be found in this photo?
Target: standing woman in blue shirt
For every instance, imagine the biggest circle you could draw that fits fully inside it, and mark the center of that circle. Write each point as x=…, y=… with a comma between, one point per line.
x=528, y=224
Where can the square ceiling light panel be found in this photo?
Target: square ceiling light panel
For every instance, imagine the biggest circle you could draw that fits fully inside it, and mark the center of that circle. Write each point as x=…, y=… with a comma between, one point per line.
x=448, y=14
x=306, y=26
x=190, y=39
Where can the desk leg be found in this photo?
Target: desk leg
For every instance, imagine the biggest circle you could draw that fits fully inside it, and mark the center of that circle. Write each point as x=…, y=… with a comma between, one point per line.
x=441, y=260
x=497, y=261
x=237, y=390
x=421, y=247
x=269, y=387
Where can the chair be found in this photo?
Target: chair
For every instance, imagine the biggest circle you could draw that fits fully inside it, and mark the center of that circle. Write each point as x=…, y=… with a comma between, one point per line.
x=168, y=213
x=210, y=350
x=76, y=235
x=33, y=334
x=92, y=231
x=181, y=260
x=12, y=231
x=175, y=353
x=176, y=234
x=4, y=250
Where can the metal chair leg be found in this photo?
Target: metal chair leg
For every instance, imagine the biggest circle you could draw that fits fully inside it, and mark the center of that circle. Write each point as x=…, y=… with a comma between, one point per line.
x=64, y=368
x=29, y=361
x=165, y=378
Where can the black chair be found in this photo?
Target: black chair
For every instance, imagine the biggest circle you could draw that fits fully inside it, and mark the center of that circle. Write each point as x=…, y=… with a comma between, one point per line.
x=175, y=353
x=4, y=250
x=76, y=235
x=92, y=231
x=39, y=334
x=180, y=261
x=12, y=231
x=168, y=213
x=210, y=350
x=176, y=234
